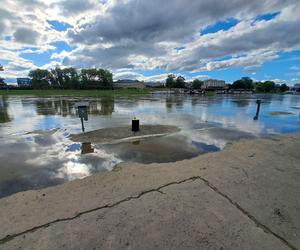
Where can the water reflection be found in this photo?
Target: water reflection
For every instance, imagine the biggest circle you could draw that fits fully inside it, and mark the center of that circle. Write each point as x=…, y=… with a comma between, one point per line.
x=104, y=107
x=4, y=117
x=36, y=152
x=86, y=148
x=162, y=149
x=241, y=103
x=66, y=107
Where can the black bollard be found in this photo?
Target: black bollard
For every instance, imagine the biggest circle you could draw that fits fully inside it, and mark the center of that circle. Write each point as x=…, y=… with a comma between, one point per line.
x=258, y=102
x=135, y=125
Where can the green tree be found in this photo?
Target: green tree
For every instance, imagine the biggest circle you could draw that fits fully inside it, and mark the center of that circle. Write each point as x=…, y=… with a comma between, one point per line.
x=96, y=78
x=269, y=86
x=41, y=78
x=283, y=87
x=196, y=84
x=74, y=81
x=2, y=83
x=266, y=87
x=56, y=78
x=66, y=78
x=105, y=78
x=180, y=82
x=243, y=83
x=170, y=81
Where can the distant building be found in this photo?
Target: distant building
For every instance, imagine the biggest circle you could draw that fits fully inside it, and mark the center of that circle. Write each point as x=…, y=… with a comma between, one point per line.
x=212, y=84
x=153, y=84
x=295, y=88
x=24, y=82
x=129, y=84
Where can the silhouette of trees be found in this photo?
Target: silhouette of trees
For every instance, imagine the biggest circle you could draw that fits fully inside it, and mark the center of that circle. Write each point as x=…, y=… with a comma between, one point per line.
x=66, y=78
x=41, y=78
x=69, y=78
x=170, y=81
x=2, y=83
x=266, y=87
x=244, y=83
x=173, y=82
x=96, y=78
x=196, y=84
x=283, y=87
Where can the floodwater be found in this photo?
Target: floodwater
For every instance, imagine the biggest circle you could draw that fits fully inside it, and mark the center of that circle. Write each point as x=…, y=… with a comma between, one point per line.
x=35, y=150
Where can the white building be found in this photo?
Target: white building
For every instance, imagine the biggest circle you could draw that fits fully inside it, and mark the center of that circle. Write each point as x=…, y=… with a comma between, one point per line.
x=295, y=88
x=213, y=84
x=129, y=84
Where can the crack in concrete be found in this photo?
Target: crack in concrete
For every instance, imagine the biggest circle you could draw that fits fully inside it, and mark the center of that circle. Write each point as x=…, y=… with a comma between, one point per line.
x=265, y=228
x=206, y=182
x=11, y=237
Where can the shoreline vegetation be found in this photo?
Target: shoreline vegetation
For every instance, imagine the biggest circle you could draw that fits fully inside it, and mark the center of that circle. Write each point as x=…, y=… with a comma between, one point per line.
x=98, y=92
x=75, y=92
x=71, y=79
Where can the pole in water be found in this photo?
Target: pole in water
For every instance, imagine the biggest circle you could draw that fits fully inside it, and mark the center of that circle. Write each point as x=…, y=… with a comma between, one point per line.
x=82, y=124
x=258, y=102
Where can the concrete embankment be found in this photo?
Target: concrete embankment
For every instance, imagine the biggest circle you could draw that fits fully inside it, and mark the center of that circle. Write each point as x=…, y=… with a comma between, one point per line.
x=244, y=197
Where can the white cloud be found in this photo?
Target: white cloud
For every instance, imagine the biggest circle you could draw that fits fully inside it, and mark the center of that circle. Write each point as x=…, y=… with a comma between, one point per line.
x=143, y=34
x=295, y=68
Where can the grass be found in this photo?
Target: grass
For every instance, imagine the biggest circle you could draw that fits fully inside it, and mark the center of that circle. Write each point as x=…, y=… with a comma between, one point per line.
x=70, y=92
x=209, y=93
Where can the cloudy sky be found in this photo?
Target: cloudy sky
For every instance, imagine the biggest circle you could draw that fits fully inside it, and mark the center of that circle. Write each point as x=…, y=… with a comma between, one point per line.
x=146, y=40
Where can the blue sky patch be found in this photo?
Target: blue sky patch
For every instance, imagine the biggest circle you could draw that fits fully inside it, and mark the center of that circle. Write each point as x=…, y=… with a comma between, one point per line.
x=8, y=38
x=267, y=16
x=59, y=26
x=179, y=48
x=220, y=25
x=61, y=46
x=38, y=59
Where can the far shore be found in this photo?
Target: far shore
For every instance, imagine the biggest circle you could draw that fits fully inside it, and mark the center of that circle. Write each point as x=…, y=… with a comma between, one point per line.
x=76, y=93
x=103, y=92
x=244, y=197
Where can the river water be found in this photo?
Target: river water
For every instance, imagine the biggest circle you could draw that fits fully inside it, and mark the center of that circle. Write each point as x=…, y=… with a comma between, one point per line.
x=35, y=150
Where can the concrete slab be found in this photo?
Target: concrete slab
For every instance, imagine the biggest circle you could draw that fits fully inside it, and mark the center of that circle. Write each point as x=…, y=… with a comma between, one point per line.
x=189, y=215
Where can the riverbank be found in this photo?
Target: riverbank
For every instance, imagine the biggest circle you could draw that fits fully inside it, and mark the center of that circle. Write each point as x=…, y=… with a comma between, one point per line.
x=66, y=92
x=244, y=197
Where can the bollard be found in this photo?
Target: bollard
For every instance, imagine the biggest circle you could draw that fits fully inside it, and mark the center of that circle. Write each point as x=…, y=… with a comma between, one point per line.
x=135, y=125
x=258, y=102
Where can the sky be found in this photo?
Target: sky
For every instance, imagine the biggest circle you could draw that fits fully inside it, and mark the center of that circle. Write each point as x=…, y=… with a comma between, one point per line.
x=147, y=40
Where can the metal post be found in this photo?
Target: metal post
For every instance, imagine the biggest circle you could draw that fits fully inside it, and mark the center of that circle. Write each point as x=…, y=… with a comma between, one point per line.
x=258, y=102
x=82, y=124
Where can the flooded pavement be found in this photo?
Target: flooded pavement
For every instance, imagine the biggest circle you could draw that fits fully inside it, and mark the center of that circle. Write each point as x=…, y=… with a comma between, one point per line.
x=36, y=151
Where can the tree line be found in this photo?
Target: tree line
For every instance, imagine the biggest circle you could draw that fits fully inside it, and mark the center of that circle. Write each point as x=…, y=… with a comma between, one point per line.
x=264, y=87
x=71, y=78
x=92, y=78
x=245, y=83
x=2, y=83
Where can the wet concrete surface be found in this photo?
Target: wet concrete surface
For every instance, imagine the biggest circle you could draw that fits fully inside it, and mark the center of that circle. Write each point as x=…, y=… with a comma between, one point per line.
x=111, y=135
x=244, y=197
